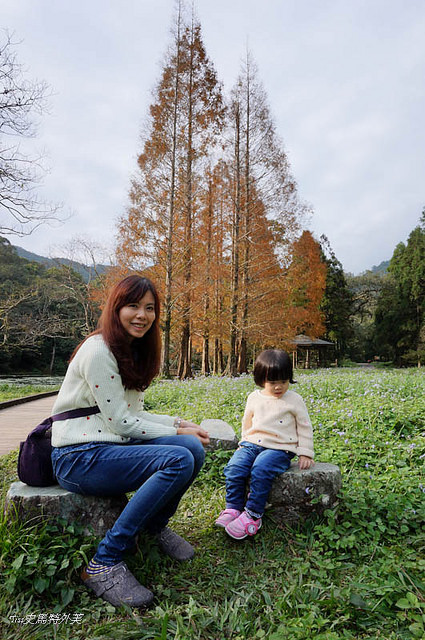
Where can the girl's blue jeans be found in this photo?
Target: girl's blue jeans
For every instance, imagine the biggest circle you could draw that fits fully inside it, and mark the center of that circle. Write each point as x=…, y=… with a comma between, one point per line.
x=159, y=471
x=261, y=466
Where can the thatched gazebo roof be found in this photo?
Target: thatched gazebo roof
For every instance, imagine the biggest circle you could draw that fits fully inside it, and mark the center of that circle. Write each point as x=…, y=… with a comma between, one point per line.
x=305, y=341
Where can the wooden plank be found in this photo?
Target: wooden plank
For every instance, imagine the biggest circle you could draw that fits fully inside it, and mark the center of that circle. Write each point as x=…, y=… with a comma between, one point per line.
x=16, y=422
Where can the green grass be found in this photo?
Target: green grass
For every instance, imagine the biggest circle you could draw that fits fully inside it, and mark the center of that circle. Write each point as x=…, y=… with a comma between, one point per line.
x=357, y=573
x=11, y=391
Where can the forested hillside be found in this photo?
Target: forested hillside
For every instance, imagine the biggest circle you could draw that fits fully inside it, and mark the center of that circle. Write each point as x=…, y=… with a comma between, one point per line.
x=44, y=312
x=388, y=306
x=87, y=272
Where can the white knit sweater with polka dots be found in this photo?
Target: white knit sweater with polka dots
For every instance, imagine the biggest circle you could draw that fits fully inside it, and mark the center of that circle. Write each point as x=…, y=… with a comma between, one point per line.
x=278, y=423
x=93, y=379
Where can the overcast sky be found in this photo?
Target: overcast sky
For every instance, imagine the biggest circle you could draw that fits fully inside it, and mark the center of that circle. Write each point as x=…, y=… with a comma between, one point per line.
x=345, y=80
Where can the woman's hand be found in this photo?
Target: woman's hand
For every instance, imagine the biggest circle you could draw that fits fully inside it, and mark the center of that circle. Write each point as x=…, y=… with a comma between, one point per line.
x=304, y=462
x=188, y=428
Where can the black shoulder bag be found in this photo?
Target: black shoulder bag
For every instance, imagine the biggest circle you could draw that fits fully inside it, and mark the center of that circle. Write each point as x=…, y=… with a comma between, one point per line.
x=34, y=459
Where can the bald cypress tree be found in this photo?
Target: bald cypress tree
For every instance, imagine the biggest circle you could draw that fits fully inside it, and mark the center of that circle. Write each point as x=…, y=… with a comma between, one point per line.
x=264, y=189
x=158, y=230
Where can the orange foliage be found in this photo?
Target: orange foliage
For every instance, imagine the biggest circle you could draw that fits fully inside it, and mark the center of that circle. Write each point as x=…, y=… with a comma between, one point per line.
x=304, y=285
x=222, y=290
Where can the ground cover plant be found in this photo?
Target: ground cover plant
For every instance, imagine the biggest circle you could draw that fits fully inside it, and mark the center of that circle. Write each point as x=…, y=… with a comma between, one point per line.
x=12, y=390
x=356, y=573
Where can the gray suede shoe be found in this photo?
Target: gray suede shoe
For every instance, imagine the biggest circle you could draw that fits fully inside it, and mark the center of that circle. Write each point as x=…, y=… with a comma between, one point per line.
x=118, y=586
x=174, y=545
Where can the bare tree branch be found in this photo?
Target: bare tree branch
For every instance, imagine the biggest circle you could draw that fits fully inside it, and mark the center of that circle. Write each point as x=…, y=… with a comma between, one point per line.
x=21, y=209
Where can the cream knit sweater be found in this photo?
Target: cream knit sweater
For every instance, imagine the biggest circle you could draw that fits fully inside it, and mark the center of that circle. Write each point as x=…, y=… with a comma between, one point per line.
x=93, y=379
x=278, y=423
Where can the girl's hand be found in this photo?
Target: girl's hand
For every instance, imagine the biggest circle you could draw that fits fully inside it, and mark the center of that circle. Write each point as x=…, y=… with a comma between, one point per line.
x=191, y=429
x=304, y=462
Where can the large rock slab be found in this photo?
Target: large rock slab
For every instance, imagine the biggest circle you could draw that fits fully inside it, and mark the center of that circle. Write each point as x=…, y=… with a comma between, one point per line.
x=35, y=504
x=296, y=494
x=221, y=434
x=97, y=514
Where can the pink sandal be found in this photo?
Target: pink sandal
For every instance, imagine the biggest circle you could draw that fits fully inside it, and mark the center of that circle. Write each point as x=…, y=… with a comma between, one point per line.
x=243, y=526
x=227, y=516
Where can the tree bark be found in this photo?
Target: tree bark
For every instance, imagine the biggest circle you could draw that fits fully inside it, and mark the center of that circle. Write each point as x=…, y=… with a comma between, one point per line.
x=233, y=356
x=185, y=370
x=242, y=359
x=206, y=329
x=170, y=232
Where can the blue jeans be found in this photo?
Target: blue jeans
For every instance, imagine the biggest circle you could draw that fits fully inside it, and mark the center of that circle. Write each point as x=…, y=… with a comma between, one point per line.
x=159, y=470
x=259, y=464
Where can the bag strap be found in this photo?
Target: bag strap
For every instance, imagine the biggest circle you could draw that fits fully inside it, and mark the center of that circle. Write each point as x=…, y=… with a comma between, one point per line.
x=75, y=413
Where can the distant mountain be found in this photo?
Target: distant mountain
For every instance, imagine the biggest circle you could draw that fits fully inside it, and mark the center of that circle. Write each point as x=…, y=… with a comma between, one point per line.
x=381, y=268
x=85, y=271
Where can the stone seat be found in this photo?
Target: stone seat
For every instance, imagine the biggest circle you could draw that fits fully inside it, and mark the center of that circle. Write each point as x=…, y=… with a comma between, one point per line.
x=222, y=435
x=98, y=514
x=295, y=495
x=35, y=504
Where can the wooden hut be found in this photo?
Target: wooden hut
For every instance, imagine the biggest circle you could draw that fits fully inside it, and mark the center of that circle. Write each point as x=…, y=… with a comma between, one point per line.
x=310, y=353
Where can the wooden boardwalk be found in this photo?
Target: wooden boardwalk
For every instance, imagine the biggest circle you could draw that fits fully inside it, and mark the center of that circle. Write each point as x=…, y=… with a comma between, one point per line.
x=16, y=422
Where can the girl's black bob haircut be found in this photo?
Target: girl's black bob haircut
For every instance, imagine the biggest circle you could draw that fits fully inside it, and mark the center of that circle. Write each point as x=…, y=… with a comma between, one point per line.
x=272, y=365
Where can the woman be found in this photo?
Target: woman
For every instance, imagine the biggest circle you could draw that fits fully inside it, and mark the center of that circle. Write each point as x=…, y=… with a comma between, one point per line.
x=123, y=448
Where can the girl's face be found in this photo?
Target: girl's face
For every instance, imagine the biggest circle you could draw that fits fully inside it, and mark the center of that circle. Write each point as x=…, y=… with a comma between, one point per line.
x=276, y=388
x=137, y=317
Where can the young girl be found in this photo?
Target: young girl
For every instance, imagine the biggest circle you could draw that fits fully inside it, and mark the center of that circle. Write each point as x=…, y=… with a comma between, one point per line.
x=275, y=428
x=123, y=448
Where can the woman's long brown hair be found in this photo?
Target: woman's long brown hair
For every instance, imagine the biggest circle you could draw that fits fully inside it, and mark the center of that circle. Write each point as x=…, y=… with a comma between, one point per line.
x=138, y=361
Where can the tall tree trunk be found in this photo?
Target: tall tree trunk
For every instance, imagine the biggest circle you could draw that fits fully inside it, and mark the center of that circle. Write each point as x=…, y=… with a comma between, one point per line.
x=52, y=358
x=216, y=356
x=206, y=328
x=185, y=370
x=242, y=359
x=171, y=213
x=233, y=356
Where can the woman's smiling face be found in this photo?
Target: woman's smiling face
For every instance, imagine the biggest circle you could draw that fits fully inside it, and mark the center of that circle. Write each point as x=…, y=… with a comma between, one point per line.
x=137, y=317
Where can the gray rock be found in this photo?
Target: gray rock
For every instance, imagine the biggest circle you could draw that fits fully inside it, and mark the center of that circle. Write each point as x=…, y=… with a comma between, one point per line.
x=221, y=434
x=297, y=494
x=98, y=514
x=294, y=496
x=41, y=503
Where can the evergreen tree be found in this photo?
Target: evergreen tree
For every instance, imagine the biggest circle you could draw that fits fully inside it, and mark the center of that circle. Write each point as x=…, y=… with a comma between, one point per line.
x=404, y=301
x=337, y=301
x=365, y=290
